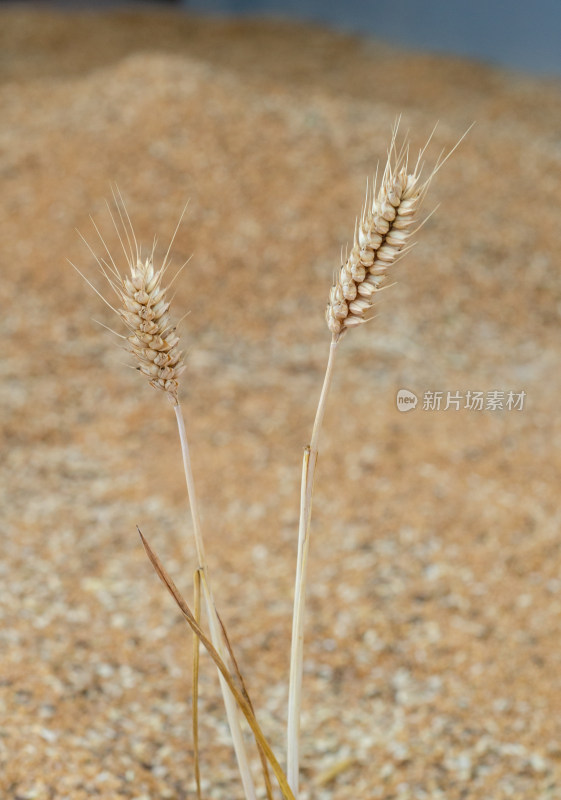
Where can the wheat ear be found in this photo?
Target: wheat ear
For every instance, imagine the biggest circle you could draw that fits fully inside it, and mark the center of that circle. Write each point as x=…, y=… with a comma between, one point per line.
x=382, y=234
x=153, y=342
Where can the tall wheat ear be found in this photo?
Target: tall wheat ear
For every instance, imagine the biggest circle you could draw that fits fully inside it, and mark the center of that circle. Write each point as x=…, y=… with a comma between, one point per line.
x=383, y=234
x=154, y=344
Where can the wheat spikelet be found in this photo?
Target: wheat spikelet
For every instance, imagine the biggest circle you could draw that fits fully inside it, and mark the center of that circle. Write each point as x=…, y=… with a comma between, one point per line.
x=152, y=338
x=381, y=235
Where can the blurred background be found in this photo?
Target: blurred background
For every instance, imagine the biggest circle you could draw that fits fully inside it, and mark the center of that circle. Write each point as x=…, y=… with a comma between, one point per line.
x=511, y=33
x=433, y=666
x=508, y=33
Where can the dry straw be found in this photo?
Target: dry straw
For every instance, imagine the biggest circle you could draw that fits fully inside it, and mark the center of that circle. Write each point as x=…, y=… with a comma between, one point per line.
x=383, y=234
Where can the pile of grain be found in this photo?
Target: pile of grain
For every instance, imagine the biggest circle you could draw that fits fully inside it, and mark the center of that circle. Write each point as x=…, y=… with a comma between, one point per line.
x=433, y=658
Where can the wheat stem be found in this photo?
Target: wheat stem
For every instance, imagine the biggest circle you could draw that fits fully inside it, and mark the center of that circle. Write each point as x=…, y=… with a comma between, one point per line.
x=193, y=503
x=297, y=642
x=214, y=624
x=241, y=698
x=196, y=650
x=153, y=342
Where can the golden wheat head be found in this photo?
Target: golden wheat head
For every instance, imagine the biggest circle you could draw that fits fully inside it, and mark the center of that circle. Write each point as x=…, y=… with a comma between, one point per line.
x=143, y=306
x=389, y=218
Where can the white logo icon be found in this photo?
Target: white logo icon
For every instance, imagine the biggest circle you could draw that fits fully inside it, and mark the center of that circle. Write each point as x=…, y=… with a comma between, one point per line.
x=406, y=400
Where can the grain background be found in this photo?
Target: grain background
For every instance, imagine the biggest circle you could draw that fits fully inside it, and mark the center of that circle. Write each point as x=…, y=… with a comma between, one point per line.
x=433, y=657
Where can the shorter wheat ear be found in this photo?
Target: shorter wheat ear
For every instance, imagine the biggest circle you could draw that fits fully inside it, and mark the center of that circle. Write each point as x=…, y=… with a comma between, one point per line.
x=153, y=342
